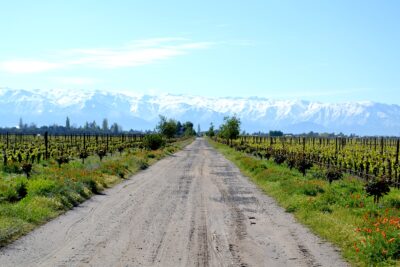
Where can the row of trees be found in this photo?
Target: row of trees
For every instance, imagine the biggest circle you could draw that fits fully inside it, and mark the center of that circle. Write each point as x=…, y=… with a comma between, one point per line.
x=88, y=128
x=171, y=128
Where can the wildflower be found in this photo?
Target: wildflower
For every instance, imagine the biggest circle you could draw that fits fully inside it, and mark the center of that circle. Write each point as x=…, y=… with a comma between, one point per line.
x=356, y=248
x=383, y=234
x=384, y=251
x=391, y=240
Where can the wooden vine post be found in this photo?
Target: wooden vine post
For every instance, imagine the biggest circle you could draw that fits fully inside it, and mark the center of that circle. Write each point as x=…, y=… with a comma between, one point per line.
x=46, y=144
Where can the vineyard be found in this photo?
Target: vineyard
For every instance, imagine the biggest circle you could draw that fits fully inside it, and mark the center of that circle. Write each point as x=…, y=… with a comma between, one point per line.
x=28, y=149
x=345, y=189
x=367, y=158
x=42, y=176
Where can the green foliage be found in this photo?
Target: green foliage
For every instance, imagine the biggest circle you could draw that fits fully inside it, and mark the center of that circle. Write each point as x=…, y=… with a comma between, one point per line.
x=143, y=164
x=167, y=127
x=211, y=131
x=340, y=212
x=275, y=133
x=153, y=141
x=43, y=187
x=230, y=129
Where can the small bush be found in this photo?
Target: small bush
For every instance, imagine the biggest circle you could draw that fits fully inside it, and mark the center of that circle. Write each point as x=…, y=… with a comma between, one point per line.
x=27, y=168
x=8, y=193
x=12, y=167
x=143, y=164
x=92, y=185
x=83, y=155
x=20, y=188
x=333, y=174
x=291, y=209
x=151, y=156
x=377, y=189
x=153, y=141
x=302, y=165
x=312, y=189
x=279, y=158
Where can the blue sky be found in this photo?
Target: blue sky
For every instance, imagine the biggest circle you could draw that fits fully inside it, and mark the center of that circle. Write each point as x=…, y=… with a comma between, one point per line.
x=330, y=51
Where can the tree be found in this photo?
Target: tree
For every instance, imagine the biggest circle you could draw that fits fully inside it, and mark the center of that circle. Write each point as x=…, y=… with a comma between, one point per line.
x=230, y=129
x=21, y=124
x=179, y=130
x=198, y=129
x=67, y=124
x=275, y=133
x=167, y=127
x=188, y=129
x=210, y=131
x=115, y=128
x=105, y=125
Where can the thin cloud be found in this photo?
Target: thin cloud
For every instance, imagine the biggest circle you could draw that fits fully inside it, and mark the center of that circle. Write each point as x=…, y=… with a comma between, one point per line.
x=136, y=53
x=75, y=80
x=28, y=66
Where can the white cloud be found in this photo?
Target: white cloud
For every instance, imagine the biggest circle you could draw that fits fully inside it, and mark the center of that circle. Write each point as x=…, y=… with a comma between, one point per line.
x=27, y=66
x=136, y=53
x=76, y=80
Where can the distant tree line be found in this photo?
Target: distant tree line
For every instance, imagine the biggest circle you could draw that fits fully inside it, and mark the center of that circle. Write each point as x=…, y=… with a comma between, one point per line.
x=87, y=128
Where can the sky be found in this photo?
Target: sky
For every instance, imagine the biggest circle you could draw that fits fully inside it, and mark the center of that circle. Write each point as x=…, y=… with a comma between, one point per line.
x=328, y=51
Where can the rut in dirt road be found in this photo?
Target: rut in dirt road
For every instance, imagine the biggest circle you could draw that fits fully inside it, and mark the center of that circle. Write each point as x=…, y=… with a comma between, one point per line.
x=191, y=209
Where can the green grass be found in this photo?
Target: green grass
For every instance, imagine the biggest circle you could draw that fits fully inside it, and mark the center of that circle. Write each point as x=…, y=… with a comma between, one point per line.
x=50, y=191
x=341, y=213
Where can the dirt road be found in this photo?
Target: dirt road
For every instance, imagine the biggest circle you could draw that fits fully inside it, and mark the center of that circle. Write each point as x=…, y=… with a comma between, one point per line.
x=191, y=209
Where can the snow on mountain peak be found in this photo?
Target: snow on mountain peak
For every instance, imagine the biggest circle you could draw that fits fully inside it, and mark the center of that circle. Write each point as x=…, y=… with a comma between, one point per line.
x=141, y=111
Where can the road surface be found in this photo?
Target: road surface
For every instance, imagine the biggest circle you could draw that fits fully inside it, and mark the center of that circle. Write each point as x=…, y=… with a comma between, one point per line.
x=191, y=209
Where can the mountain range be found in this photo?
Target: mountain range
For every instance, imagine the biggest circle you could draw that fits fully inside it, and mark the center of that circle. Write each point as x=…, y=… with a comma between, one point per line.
x=141, y=111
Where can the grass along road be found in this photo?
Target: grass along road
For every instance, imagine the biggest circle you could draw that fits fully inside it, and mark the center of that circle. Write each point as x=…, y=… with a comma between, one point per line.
x=193, y=208
x=367, y=233
x=52, y=190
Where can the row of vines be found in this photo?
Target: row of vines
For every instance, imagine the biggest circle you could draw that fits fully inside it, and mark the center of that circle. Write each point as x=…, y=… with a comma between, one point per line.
x=19, y=152
x=376, y=160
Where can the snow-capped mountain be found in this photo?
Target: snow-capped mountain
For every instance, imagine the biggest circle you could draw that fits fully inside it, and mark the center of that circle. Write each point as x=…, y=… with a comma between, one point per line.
x=139, y=111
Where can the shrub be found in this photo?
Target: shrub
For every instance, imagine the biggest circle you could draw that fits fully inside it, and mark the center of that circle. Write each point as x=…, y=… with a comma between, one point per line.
x=153, y=141
x=333, y=174
x=8, y=193
x=101, y=153
x=20, y=188
x=302, y=164
x=279, y=158
x=83, y=155
x=143, y=164
x=12, y=167
x=27, y=168
x=61, y=160
x=310, y=189
x=291, y=162
x=377, y=189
